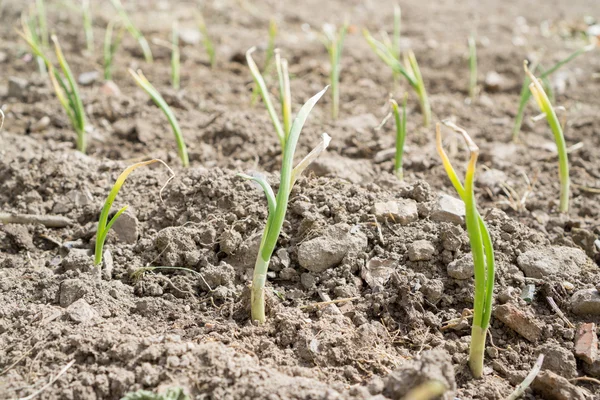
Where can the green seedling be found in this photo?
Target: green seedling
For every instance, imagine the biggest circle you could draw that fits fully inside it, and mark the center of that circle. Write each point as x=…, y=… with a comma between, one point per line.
x=141, y=80
x=269, y=54
x=30, y=26
x=65, y=86
x=428, y=390
x=545, y=106
x=206, y=41
x=87, y=25
x=409, y=69
x=175, y=58
x=334, y=43
x=472, y=68
x=104, y=224
x=481, y=248
x=173, y=393
x=400, y=135
x=133, y=31
x=544, y=75
x=528, y=379
x=281, y=129
x=393, y=44
x=42, y=22
x=277, y=205
x=110, y=47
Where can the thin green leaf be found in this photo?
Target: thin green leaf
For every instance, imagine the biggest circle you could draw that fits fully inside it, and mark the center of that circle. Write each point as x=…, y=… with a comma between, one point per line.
x=262, y=182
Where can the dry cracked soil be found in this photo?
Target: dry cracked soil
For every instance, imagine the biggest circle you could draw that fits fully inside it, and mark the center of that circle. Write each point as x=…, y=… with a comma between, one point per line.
x=393, y=255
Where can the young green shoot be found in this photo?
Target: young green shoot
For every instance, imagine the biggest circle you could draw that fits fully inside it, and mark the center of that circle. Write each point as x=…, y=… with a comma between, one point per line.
x=30, y=26
x=269, y=54
x=141, y=80
x=277, y=205
x=409, y=68
x=481, y=248
x=400, y=135
x=545, y=106
x=87, y=25
x=65, y=85
x=281, y=129
x=428, y=390
x=42, y=22
x=104, y=224
x=544, y=75
x=528, y=379
x=110, y=47
x=175, y=57
x=472, y=67
x=334, y=43
x=206, y=41
x=133, y=31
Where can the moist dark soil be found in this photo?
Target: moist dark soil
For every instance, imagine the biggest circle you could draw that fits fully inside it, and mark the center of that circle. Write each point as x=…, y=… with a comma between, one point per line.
x=392, y=255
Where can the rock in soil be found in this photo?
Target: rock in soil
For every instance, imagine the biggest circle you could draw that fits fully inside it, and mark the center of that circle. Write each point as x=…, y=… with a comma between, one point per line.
x=586, y=301
x=561, y=261
x=81, y=312
x=555, y=387
x=432, y=365
x=519, y=320
x=330, y=248
x=448, y=209
x=558, y=359
x=126, y=227
x=402, y=211
x=462, y=268
x=70, y=291
x=586, y=342
x=421, y=250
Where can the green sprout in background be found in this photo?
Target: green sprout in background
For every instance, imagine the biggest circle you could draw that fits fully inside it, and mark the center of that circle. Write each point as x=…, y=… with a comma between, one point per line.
x=104, y=224
x=269, y=54
x=42, y=22
x=30, y=26
x=544, y=75
x=545, y=106
x=277, y=205
x=409, y=68
x=133, y=31
x=110, y=47
x=282, y=130
x=472, y=67
x=175, y=57
x=65, y=86
x=481, y=248
x=206, y=40
x=400, y=135
x=87, y=25
x=141, y=80
x=334, y=43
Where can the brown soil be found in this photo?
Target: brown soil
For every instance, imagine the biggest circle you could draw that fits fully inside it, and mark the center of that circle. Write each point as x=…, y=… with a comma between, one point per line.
x=167, y=329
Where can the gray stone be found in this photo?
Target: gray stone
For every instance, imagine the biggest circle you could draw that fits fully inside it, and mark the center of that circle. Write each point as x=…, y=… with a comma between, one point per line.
x=17, y=87
x=177, y=246
x=555, y=387
x=329, y=249
x=433, y=290
x=126, y=227
x=494, y=82
x=87, y=78
x=70, y=291
x=452, y=237
x=403, y=211
x=308, y=280
x=377, y=271
x=81, y=312
x=462, y=268
x=190, y=36
x=79, y=260
x=352, y=170
x=40, y=125
x=492, y=179
x=541, y=263
x=3, y=57
x=421, y=250
x=432, y=365
x=230, y=241
x=586, y=301
x=558, y=359
x=448, y=209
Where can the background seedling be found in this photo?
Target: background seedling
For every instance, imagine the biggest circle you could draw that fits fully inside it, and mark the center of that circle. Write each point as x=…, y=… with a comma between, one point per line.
x=410, y=70
x=334, y=43
x=175, y=57
x=30, y=26
x=282, y=130
x=65, y=87
x=206, y=41
x=472, y=67
x=277, y=205
x=544, y=75
x=269, y=54
x=141, y=80
x=481, y=248
x=400, y=135
x=563, y=160
x=110, y=47
x=528, y=379
x=104, y=224
x=42, y=22
x=133, y=31
x=87, y=25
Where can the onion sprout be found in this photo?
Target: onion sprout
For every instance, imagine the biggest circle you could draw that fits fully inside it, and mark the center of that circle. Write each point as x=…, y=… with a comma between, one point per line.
x=334, y=43
x=133, y=31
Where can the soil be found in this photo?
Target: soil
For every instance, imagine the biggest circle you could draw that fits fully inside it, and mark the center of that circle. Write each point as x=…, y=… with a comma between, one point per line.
x=406, y=273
